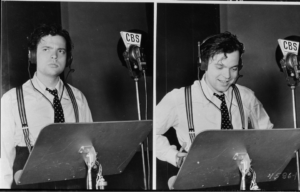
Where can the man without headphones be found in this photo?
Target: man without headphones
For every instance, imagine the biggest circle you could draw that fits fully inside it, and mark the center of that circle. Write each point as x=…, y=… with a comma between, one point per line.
x=191, y=110
x=47, y=99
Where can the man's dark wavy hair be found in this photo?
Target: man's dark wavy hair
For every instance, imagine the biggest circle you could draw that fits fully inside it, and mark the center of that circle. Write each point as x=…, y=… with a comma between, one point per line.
x=220, y=43
x=44, y=30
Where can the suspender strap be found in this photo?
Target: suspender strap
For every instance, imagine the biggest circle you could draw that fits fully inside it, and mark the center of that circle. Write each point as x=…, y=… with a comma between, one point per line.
x=189, y=112
x=189, y=109
x=22, y=113
x=239, y=101
x=74, y=103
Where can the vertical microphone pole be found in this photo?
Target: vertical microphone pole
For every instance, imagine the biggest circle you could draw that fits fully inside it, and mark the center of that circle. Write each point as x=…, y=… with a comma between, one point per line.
x=134, y=54
x=137, y=97
x=139, y=114
x=147, y=140
x=295, y=126
x=290, y=60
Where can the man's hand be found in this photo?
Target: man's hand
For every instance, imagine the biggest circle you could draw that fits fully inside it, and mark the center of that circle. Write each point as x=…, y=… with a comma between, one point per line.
x=180, y=156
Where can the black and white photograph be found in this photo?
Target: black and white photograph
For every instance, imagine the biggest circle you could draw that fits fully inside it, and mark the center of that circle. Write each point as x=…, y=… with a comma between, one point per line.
x=150, y=95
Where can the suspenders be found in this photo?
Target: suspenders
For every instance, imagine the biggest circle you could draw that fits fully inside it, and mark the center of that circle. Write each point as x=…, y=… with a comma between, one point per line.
x=189, y=109
x=189, y=112
x=22, y=112
x=74, y=103
x=240, y=104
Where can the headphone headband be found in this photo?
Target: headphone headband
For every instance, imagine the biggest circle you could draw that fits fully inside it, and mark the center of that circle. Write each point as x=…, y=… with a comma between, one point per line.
x=204, y=65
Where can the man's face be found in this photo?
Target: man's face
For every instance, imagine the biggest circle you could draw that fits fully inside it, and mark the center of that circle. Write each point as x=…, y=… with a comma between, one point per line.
x=222, y=72
x=51, y=56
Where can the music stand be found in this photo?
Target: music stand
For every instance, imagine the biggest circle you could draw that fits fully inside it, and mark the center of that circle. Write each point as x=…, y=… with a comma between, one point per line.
x=210, y=162
x=56, y=156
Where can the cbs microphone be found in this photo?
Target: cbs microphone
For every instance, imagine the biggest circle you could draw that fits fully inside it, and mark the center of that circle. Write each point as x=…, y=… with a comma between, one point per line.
x=290, y=60
x=133, y=55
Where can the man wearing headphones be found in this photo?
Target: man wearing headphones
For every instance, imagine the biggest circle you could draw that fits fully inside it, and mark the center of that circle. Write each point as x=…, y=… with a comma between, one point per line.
x=212, y=103
x=46, y=99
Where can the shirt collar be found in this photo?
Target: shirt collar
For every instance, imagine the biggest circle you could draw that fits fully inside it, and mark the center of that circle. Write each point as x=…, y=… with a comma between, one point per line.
x=42, y=88
x=206, y=89
x=209, y=93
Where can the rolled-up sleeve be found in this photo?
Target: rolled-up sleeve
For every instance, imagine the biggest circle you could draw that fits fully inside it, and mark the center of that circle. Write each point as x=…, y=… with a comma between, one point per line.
x=166, y=117
x=85, y=111
x=8, y=151
x=259, y=116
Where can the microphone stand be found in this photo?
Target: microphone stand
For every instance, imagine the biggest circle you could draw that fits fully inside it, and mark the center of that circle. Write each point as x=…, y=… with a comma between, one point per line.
x=139, y=115
x=293, y=87
x=133, y=74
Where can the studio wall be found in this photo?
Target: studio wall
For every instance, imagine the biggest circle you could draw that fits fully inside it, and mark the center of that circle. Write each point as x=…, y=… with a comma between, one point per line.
x=95, y=29
x=179, y=28
x=18, y=20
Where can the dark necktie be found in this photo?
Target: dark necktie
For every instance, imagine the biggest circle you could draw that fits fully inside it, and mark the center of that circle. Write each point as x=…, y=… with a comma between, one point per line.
x=58, y=111
x=225, y=123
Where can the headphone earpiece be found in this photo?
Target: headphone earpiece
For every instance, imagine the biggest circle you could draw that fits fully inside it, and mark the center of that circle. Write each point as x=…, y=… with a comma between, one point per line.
x=203, y=66
x=32, y=57
x=240, y=64
x=69, y=61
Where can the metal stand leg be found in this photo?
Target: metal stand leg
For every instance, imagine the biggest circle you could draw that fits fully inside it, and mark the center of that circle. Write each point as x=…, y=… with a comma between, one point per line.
x=295, y=126
x=148, y=161
x=142, y=146
x=89, y=156
x=137, y=98
x=144, y=167
x=243, y=162
x=100, y=181
x=89, y=180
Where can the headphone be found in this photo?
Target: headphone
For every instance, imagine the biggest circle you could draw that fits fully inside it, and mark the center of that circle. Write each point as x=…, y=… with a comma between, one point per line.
x=204, y=65
x=32, y=58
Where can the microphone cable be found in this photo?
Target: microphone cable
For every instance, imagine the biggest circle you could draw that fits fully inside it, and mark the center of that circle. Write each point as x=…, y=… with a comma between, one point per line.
x=70, y=71
x=146, y=99
x=212, y=102
x=41, y=92
x=30, y=78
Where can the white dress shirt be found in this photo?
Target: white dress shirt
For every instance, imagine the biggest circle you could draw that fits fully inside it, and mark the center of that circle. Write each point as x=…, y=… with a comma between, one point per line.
x=39, y=113
x=171, y=112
